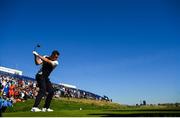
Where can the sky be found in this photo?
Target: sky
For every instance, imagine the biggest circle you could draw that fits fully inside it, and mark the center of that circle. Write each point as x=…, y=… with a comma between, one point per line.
x=127, y=50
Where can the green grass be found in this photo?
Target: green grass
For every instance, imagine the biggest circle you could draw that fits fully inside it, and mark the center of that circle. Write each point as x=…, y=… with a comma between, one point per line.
x=71, y=108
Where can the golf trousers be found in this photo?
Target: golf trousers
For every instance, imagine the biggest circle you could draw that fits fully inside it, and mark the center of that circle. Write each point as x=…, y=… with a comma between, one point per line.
x=44, y=85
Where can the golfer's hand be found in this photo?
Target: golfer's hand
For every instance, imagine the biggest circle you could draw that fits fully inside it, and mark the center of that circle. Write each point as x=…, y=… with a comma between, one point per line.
x=35, y=53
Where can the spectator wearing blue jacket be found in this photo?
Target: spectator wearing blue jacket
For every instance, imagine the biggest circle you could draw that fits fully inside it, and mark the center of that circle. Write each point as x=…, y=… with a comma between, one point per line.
x=6, y=89
x=1, y=104
x=5, y=104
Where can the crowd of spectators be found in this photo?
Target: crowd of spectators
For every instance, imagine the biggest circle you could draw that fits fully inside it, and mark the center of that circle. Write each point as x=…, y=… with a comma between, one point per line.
x=63, y=91
x=18, y=89
x=14, y=89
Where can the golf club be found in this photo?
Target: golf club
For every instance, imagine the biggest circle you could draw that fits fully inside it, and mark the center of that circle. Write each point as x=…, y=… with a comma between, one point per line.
x=37, y=46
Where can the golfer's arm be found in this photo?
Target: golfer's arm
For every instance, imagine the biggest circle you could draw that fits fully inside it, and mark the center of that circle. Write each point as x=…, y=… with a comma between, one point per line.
x=44, y=59
x=37, y=61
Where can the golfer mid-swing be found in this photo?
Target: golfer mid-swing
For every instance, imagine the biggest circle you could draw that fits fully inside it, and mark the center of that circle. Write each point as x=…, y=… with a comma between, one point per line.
x=43, y=82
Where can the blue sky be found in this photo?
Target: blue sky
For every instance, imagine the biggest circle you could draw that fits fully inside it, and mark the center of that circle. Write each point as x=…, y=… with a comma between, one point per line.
x=125, y=49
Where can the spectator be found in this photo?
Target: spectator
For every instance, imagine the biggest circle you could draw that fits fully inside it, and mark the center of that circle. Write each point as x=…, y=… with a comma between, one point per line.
x=5, y=104
x=11, y=90
x=6, y=89
x=1, y=103
x=1, y=88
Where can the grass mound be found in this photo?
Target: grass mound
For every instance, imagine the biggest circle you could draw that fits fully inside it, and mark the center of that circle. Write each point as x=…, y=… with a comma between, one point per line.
x=87, y=108
x=66, y=104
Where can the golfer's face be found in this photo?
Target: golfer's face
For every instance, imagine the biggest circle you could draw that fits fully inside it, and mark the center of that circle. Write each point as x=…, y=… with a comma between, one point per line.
x=55, y=57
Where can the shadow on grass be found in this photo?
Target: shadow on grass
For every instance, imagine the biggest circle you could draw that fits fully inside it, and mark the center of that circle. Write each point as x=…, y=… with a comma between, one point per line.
x=137, y=114
x=164, y=110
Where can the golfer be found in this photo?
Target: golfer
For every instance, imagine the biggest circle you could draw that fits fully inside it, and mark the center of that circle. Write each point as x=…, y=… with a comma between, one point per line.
x=42, y=78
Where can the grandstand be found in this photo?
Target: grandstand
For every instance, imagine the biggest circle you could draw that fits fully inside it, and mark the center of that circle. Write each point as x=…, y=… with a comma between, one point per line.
x=24, y=87
x=9, y=70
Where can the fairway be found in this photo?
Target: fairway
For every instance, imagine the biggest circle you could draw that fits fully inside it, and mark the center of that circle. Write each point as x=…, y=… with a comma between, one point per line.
x=71, y=108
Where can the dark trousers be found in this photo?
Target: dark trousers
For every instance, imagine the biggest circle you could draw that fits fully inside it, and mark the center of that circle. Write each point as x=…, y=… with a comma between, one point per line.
x=44, y=86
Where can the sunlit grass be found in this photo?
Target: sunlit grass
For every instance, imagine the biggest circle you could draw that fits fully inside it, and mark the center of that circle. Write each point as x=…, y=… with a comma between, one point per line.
x=87, y=108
